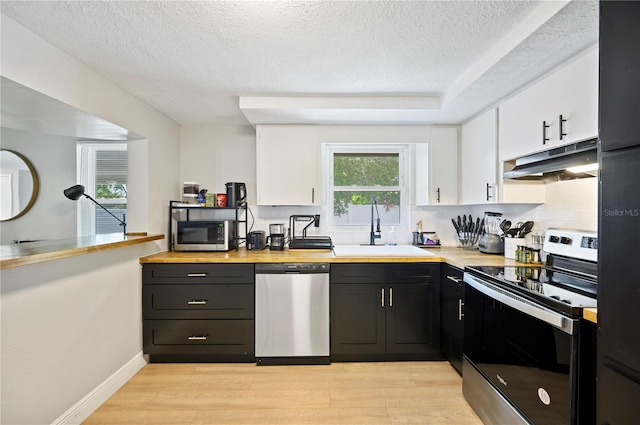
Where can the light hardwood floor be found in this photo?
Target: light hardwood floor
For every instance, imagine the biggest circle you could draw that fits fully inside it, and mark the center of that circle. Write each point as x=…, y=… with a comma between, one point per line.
x=390, y=393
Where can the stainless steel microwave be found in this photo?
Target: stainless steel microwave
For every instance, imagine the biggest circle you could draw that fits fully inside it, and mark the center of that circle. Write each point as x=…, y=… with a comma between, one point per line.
x=204, y=235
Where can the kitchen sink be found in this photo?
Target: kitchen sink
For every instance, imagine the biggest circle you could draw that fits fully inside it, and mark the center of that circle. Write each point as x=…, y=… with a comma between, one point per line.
x=380, y=251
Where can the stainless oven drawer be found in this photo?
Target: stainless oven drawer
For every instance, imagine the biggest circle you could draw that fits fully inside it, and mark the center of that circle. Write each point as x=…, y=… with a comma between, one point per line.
x=525, y=352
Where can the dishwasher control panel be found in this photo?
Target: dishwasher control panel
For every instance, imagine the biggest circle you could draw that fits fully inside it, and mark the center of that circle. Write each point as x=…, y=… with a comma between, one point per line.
x=292, y=268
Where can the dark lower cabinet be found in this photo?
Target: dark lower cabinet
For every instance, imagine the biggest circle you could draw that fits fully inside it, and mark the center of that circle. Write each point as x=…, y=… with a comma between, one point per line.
x=198, y=312
x=452, y=315
x=412, y=321
x=385, y=312
x=358, y=324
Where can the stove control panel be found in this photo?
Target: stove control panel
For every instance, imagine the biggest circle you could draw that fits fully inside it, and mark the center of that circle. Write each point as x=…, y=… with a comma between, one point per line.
x=589, y=243
x=572, y=243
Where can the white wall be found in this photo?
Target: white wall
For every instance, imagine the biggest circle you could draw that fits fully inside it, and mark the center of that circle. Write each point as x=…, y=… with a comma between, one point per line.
x=570, y=204
x=54, y=157
x=214, y=155
x=65, y=327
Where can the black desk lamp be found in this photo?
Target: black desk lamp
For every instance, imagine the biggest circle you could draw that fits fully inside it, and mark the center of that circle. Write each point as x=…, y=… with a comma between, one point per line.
x=75, y=192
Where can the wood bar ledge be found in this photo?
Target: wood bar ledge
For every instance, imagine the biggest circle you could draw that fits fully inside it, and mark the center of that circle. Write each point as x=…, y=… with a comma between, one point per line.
x=23, y=254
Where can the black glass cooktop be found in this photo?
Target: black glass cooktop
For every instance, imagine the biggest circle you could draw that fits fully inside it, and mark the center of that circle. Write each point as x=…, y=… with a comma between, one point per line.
x=559, y=290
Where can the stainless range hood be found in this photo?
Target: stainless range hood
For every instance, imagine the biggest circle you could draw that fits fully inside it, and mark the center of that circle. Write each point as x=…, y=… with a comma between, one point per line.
x=552, y=165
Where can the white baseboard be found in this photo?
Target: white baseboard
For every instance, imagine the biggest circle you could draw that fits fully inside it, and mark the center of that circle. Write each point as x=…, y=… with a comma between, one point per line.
x=89, y=403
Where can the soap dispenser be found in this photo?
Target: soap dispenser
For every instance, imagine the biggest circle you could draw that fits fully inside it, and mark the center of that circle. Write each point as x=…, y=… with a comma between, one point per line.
x=392, y=237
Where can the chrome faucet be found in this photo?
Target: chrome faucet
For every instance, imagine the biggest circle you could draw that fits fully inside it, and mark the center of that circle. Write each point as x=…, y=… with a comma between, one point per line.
x=373, y=235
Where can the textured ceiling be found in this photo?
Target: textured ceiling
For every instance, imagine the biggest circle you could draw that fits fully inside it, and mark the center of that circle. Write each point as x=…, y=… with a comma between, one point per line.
x=193, y=60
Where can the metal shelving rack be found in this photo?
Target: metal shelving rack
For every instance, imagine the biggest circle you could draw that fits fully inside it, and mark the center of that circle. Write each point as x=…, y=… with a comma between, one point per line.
x=240, y=219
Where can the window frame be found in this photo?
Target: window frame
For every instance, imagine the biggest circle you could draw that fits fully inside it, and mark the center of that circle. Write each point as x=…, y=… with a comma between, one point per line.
x=404, y=177
x=86, y=159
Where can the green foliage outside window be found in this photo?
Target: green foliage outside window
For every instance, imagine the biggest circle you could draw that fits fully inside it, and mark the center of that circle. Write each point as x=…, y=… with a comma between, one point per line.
x=111, y=191
x=364, y=170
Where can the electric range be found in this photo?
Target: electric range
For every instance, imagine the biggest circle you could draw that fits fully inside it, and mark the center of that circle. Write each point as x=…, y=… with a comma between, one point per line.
x=524, y=340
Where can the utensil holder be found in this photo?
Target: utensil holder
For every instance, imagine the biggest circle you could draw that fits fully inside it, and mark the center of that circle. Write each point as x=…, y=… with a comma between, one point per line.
x=510, y=246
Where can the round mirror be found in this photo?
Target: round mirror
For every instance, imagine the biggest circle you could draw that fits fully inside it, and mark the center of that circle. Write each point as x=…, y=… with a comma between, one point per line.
x=19, y=185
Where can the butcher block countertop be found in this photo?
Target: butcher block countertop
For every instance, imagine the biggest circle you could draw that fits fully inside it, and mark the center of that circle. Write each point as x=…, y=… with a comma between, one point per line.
x=590, y=314
x=455, y=256
x=458, y=257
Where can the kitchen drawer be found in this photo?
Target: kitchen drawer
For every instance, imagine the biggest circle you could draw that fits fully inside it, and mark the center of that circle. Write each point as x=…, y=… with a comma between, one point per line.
x=453, y=275
x=199, y=337
x=166, y=274
x=357, y=273
x=413, y=273
x=198, y=301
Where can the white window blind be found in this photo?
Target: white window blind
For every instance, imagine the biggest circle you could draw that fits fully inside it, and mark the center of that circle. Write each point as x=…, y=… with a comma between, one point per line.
x=102, y=170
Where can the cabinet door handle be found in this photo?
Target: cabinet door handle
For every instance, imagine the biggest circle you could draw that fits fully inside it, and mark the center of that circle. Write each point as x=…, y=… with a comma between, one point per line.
x=455, y=279
x=438, y=195
x=460, y=313
x=197, y=274
x=545, y=139
x=390, y=297
x=382, y=297
x=197, y=302
x=313, y=195
x=197, y=337
x=562, y=121
x=489, y=187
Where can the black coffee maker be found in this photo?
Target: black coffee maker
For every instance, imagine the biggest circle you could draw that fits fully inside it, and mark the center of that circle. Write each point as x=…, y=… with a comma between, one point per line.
x=256, y=240
x=236, y=194
x=276, y=238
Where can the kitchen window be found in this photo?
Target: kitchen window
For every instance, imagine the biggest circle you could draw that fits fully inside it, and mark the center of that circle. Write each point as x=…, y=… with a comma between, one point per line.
x=359, y=175
x=102, y=170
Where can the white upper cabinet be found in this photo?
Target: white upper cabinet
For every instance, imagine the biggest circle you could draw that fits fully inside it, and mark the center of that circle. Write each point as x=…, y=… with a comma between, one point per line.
x=560, y=109
x=521, y=121
x=576, y=99
x=437, y=168
x=287, y=165
x=479, y=159
x=481, y=172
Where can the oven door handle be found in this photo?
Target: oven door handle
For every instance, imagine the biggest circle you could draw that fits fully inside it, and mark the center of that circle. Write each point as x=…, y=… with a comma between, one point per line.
x=530, y=308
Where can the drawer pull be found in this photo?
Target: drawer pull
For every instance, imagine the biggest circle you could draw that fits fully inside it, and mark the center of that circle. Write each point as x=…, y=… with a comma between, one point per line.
x=197, y=337
x=197, y=302
x=197, y=274
x=455, y=279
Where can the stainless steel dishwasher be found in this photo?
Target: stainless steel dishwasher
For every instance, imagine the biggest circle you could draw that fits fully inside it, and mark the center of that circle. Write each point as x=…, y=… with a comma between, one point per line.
x=292, y=313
